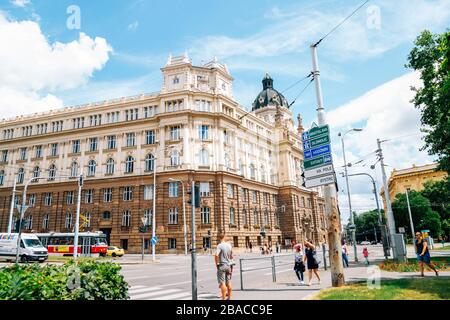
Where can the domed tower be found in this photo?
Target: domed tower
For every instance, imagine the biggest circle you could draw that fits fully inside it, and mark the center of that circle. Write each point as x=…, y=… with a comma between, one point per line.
x=270, y=104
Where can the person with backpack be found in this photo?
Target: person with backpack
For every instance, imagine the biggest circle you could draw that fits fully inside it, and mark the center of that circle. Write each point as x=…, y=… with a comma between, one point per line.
x=312, y=260
x=299, y=266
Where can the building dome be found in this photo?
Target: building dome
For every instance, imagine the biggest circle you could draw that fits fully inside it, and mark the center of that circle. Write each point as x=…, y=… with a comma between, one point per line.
x=269, y=96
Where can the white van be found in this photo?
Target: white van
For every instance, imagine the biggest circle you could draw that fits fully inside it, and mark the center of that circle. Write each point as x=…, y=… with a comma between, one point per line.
x=31, y=248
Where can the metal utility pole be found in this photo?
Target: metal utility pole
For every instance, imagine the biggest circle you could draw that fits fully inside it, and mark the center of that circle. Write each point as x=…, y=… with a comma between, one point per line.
x=390, y=214
x=13, y=202
x=154, y=211
x=193, y=253
x=352, y=218
x=410, y=217
x=77, y=218
x=334, y=225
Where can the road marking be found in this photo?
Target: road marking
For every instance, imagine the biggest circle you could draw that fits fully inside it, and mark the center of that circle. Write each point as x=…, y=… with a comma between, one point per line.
x=140, y=290
x=144, y=296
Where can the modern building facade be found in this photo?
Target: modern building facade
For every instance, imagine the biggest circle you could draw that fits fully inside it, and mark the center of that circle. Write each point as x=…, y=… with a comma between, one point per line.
x=412, y=179
x=247, y=164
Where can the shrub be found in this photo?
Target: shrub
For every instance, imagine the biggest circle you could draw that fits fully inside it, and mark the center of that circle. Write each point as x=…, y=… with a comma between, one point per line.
x=82, y=280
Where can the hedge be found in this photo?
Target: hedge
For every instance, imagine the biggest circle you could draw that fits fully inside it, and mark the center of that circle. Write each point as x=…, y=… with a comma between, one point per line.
x=82, y=280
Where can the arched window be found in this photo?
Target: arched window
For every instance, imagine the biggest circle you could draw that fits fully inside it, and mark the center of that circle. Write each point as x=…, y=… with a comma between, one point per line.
x=2, y=177
x=110, y=166
x=52, y=172
x=175, y=158
x=92, y=165
x=129, y=164
x=74, y=169
x=149, y=162
x=20, y=175
x=204, y=157
x=36, y=172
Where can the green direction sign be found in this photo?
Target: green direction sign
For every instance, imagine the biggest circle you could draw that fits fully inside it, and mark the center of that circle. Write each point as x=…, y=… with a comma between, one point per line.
x=317, y=162
x=318, y=131
x=315, y=142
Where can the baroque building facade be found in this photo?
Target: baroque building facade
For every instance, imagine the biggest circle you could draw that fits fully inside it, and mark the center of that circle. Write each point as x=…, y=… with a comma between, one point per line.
x=247, y=164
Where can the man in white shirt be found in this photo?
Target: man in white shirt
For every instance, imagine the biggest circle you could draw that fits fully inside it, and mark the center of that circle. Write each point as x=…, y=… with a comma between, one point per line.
x=224, y=263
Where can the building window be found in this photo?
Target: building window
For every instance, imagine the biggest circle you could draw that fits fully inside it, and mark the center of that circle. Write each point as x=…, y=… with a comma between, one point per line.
x=131, y=114
x=172, y=243
x=254, y=196
x=266, y=217
x=45, y=222
x=205, y=215
x=150, y=111
x=87, y=219
x=203, y=132
x=69, y=197
x=232, y=216
x=244, y=216
x=172, y=106
x=204, y=189
x=204, y=157
x=38, y=152
x=95, y=120
x=112, y=117
x=76, y=146
x=255, y=218
x=110, y=166
x=175, y=158
x=20, y=175
x=202, y=105
x=32, y=200
x=23, y=154
x=4, y=155
x=149, y=162
x=130, y=140
x=175, y=133
x=263, y=174
x=227, y=161
x=127, y=193
x=78, y=123
x=126, y=218
x=2, y=177
x=92, y=165
x=93, y=144
x=68, y=222
x=29, y=222
x=36, y=173
x=129, y=164
x=54, y=149
x=111, y=142
x=52, y=172
x=107, y=195
x=148, y=216
x=252, y=172
x=47, y=199
x=173, y=189
x=150, y=137
x=148, y=192
x=173, y=216
x=89, y=196
x=74, y=169
x=106, y=215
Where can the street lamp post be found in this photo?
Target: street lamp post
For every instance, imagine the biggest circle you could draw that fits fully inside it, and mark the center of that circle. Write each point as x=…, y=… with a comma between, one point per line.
x=77, y=218
x=348, y=193
x=184, y=215
x=13, y=202
x=23, y=208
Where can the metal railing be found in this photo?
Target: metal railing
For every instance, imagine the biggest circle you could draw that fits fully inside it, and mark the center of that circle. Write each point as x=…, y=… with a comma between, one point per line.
x=279, y=260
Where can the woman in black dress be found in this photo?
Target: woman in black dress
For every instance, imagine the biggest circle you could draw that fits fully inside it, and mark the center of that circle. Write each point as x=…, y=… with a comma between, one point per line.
x=312, y=264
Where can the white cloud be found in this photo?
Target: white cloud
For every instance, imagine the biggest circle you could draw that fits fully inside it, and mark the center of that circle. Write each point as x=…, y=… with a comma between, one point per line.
x=384, y=112
x=20, y=3
x=133, y=26
x=31, y=68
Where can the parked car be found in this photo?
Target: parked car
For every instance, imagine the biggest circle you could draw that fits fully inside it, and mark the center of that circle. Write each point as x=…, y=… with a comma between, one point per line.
x=115, y=251
x=364, y=243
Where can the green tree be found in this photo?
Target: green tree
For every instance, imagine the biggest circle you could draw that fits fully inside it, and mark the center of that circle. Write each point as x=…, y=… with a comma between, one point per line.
x=366, y=225
x=438, y=192
x=422, y=214
x=431, y=57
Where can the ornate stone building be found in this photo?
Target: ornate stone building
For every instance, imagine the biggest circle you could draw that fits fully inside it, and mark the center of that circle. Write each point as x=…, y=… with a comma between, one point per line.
x=247, y=164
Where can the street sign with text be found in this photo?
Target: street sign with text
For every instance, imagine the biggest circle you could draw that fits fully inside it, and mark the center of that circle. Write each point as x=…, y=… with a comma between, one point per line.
x=320, y=181
x=319, y=171
x=312, y=153
x=317, y=162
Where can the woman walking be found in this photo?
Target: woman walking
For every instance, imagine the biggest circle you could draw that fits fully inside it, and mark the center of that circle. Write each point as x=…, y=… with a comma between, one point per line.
x=423, y=255
x=299, y=266
x=344, y=254
x=311, y=259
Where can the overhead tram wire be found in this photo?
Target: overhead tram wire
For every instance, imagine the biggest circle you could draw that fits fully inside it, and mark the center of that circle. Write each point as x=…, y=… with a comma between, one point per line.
x=301, y=92
x=341, y=23
x=297, y=82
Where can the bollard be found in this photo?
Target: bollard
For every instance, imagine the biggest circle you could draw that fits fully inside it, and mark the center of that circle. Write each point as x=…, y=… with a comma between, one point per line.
x=240, y=273
x=274, y=273
x=324, y=256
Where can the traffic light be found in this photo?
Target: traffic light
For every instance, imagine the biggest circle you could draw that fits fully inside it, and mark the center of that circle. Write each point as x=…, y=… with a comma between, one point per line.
x=196, y=196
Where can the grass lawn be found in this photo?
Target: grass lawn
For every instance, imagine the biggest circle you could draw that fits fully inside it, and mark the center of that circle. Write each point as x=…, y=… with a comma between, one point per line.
x=442, y=263
x=429, y=288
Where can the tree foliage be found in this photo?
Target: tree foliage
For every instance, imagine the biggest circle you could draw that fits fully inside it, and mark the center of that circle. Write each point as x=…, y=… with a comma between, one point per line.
x=422, y=214
x=438, y=192
x=431, y=57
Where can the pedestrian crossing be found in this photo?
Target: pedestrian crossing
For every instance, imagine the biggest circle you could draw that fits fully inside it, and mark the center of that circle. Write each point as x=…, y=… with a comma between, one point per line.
x=140, y=292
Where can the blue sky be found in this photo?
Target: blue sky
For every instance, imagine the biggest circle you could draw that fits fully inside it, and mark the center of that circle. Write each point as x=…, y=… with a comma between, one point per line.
x=122, y=45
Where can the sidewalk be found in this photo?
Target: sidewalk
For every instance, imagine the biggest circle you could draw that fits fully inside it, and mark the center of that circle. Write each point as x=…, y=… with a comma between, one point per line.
x=288, y=287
